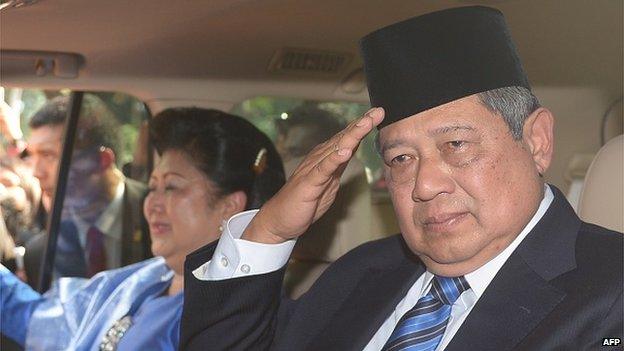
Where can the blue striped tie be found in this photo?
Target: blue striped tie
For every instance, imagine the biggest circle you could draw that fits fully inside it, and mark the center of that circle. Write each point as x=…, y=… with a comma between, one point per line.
x=422, y=327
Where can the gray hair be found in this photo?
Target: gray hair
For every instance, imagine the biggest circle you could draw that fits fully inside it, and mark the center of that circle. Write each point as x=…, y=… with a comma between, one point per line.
x=514, y=104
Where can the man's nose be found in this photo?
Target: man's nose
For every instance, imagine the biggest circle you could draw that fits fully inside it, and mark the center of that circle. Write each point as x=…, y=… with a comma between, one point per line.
x=39, y=170
x=432, y=178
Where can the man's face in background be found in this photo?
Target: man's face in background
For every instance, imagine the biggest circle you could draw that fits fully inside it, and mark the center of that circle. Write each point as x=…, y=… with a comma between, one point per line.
x=85, y=184
x=296, y=142
x=44, y=154
x=88, y=190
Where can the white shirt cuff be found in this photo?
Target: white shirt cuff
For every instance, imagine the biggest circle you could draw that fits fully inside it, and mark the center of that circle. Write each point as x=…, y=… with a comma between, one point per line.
x=235, y=257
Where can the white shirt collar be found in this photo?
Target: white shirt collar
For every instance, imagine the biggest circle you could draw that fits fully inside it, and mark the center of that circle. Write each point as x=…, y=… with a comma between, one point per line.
x=482, y=276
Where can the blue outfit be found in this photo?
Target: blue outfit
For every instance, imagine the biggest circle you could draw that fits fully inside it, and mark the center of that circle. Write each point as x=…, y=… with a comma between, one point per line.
x=76, y=313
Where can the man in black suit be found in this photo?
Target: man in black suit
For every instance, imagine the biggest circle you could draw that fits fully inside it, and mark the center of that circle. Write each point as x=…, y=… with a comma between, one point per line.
x=489, y=258
x=100, y=203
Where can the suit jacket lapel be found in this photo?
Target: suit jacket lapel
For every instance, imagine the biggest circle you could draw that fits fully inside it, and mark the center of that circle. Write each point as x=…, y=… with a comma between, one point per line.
x=514, y=303
x=367, y=307
x=520, y=296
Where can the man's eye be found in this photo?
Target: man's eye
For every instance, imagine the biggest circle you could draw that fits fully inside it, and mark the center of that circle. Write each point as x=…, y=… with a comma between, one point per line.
x=399, y=160
x=457, y=144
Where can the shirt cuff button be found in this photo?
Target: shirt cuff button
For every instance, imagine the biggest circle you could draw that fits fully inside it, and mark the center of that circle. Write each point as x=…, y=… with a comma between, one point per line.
x=245, y=268
x=224, y=261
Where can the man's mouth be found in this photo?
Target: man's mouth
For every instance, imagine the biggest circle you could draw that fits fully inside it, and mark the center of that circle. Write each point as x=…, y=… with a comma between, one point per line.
x=444, y=221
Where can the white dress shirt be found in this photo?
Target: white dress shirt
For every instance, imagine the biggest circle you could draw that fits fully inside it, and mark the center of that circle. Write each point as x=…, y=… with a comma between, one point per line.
x=235, y=257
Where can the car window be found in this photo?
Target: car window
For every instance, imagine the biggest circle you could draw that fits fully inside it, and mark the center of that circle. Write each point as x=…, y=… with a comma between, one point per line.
x=101, y=224
x=296, y=125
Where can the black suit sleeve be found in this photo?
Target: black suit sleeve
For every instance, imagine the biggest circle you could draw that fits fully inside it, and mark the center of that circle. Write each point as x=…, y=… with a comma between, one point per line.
x=231, y=314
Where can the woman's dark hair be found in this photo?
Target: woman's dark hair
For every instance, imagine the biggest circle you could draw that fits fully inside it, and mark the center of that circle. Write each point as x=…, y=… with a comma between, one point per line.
x=227, y=148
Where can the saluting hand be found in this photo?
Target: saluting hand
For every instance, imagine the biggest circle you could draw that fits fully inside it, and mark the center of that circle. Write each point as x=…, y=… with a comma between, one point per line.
x=312, y=188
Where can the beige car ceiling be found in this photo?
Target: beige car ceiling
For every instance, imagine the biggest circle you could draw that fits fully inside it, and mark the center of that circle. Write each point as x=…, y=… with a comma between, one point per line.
x=221, y=50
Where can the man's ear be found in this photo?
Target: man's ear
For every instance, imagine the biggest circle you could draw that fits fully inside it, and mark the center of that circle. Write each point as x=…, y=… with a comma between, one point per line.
x=107, y=158
x=537, y=134
x=233, y=203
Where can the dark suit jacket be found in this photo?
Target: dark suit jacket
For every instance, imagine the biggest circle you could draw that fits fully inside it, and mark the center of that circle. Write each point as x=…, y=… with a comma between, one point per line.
x=135, y=240
x=561, y=289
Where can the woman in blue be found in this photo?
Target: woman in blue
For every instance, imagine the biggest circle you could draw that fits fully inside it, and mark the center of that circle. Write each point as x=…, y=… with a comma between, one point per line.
x=212, y=166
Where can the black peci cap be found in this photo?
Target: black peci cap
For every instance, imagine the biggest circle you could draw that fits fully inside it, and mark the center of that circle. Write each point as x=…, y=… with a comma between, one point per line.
x=427, y=61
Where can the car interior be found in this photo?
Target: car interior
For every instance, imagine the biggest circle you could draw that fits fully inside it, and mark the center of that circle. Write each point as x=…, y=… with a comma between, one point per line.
x=260, y=59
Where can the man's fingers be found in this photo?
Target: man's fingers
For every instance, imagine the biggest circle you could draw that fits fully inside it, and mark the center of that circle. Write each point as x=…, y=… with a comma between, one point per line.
x=374, y=116
x=353, y=133
x=325, y=170
x=349, y=138
x=358, y=129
